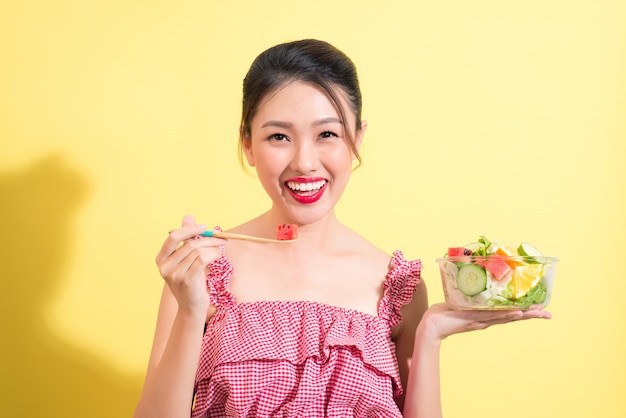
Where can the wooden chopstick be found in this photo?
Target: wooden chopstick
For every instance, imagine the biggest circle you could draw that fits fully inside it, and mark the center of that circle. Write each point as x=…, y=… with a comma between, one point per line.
x=230, y=235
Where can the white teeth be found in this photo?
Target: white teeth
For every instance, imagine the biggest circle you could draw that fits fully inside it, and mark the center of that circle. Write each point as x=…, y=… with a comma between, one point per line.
x=305, y=187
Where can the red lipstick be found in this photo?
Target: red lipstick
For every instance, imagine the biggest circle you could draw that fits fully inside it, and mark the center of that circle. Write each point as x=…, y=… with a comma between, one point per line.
x=306, y=190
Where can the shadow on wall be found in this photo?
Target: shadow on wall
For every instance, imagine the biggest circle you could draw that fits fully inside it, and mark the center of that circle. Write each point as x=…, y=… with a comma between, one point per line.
x=40, y=374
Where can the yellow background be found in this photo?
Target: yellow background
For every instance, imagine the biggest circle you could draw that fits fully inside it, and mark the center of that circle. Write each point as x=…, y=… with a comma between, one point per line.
x=503, y=118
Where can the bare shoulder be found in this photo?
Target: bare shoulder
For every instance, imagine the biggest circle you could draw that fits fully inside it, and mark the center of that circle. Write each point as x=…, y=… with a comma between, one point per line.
x=368, y=255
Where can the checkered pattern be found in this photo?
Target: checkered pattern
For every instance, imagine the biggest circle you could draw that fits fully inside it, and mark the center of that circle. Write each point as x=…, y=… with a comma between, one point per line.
x=298, y=358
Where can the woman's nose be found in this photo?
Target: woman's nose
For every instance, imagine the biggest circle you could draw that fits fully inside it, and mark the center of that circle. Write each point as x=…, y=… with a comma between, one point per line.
x=305, y=158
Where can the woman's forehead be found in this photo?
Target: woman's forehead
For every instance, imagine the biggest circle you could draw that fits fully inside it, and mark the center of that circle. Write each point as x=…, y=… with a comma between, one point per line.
x=298, y=99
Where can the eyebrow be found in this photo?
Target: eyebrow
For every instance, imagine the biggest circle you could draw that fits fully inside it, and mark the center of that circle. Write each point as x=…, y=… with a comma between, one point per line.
x=285, y=125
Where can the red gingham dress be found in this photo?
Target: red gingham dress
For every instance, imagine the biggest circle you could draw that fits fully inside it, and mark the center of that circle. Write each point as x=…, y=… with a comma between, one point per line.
x=298, y=358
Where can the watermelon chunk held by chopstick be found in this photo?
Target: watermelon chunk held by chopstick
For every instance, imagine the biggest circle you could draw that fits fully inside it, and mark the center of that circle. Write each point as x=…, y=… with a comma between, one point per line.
x=286, y=232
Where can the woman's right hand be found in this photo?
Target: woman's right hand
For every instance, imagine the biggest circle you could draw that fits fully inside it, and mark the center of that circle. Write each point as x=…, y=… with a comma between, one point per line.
x=185, y=306
x=183, y=262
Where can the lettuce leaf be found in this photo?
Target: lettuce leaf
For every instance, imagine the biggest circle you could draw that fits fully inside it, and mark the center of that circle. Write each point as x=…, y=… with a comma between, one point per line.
x=535, y=296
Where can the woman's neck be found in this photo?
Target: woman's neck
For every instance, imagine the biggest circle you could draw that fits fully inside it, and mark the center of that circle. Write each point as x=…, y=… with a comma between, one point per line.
x=315, y=236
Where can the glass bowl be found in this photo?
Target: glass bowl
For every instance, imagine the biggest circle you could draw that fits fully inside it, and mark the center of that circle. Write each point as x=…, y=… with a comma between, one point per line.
x=497, y=281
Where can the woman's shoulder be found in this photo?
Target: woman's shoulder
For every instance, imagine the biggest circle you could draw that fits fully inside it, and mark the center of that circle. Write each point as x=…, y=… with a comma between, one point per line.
x=357, y=246
x=393, y=260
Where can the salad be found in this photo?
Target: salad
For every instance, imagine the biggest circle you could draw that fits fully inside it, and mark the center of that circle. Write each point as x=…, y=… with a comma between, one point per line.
x=487, y=275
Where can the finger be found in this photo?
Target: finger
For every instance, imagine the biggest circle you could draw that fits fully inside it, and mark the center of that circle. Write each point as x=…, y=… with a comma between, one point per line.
x=181, y=270
x=514, y=316
x=188, y=220
x=189, y=264
x=177, y=236
x=204, y=257
x=537, y=313
x=189, y=224
x=189, y=246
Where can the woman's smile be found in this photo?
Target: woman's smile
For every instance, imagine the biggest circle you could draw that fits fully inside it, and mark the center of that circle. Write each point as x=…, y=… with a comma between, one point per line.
x=306, y=190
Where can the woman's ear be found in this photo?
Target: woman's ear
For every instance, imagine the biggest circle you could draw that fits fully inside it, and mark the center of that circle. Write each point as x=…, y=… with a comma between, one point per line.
x=246, y=145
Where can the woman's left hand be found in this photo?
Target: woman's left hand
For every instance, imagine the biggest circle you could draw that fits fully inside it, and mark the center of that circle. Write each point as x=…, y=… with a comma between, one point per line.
x=441, y=321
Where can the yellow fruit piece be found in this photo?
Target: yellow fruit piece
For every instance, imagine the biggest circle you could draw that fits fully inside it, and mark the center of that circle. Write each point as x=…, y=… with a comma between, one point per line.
x=507, y=253
x=525, y=278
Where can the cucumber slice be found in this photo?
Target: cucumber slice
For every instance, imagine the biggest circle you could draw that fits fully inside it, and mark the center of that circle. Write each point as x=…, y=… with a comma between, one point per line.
x=527, y=250
x=472, y=279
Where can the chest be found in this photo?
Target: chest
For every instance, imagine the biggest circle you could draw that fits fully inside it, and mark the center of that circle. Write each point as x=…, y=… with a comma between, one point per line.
x=345, y=282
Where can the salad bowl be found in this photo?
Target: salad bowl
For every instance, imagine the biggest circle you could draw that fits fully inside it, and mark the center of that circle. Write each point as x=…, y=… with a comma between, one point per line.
x=485, y=275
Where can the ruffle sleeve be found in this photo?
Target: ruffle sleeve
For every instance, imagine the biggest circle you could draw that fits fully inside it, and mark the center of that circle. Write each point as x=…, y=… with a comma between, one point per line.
x=398, y=287
x=218, y=279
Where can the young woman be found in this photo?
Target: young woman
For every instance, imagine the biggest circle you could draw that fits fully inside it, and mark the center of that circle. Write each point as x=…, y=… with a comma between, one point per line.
x=325, y=326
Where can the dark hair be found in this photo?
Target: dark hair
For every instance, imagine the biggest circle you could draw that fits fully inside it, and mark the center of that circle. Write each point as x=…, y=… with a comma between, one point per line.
x=310, y=61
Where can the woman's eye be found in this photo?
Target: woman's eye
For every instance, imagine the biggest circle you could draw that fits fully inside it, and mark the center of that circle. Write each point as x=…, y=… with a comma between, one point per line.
x=328, y=134
x=278, y=137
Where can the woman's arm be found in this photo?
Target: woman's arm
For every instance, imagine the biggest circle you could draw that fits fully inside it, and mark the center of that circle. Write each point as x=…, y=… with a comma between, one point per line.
x=423, y=398
x=404, y=334
x=422, y=391
x=168, y=388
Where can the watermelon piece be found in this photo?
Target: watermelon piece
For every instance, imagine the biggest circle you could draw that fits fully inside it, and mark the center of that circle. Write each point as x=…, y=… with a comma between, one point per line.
x=286, y=232
x=481, y=261
x=497, y=266
x=460, y=254
x=458, y=251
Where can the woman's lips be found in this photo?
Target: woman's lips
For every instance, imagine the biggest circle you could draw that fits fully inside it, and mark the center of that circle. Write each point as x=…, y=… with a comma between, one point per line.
x=306, y=190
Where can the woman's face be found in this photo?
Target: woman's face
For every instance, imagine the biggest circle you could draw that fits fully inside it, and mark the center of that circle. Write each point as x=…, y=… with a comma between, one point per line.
x=299, y=149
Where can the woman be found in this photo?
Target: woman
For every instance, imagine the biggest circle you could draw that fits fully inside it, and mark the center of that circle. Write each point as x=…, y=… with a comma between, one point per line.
x=328, y=325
